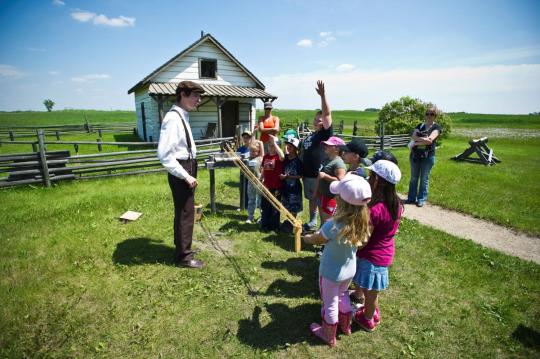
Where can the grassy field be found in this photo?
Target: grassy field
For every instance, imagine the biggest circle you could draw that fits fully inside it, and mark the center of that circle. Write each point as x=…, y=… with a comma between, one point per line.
x=75, y=282
x=64, y=117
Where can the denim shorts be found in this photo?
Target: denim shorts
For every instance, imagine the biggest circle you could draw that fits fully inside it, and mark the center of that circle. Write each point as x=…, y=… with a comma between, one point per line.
x=370, y=276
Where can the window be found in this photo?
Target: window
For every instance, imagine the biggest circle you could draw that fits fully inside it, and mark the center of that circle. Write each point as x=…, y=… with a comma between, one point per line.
x=207, y=68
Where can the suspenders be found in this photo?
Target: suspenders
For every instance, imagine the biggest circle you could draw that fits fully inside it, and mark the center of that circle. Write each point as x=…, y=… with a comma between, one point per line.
x=188, y=137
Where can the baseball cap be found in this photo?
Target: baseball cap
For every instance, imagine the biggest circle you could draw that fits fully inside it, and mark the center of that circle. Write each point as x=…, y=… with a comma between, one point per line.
x=384, y=155
x=352, y=189
x=334, y=141
x=293, y=141
x=268, y=105
x=356, y=146
x=190, y=85
x=290, y=133
x=246, y=132
x=387, y=170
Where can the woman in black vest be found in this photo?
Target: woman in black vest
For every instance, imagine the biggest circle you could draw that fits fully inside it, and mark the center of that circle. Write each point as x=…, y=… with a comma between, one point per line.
x=422, y=156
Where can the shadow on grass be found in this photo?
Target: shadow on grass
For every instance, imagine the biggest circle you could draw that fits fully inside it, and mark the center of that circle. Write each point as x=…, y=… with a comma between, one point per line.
x=307, y=268
x=527, y=336
x=135, y=251
x=233, y=184
x=283, y=240
x=287, y=326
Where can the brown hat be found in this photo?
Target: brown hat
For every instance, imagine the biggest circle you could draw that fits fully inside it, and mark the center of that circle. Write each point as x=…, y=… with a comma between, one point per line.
x=189, y=85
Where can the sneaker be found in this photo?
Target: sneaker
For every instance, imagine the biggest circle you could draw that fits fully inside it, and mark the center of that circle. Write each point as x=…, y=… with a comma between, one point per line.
x=410, y=202
x=309, y=227
x=420, y=204
x=249, y=221
x=366, y=324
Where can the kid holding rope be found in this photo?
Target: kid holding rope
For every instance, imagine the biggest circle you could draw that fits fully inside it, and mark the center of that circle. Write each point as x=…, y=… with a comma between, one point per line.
x=342, y=235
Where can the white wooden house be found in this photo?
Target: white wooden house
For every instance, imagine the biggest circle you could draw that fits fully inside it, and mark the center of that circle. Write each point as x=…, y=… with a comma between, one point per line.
x=231, y=92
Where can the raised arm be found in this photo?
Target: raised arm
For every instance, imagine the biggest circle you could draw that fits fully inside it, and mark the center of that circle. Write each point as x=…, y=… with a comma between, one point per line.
x=276, y=147
x=325, y=108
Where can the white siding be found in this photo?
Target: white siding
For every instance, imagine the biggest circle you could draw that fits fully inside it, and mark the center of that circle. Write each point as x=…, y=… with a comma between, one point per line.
x=187, y=68
x=150, y=111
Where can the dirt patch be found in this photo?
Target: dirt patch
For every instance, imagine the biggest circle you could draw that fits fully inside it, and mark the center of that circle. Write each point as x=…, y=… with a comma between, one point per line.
x=483, y=232
x=217, y=244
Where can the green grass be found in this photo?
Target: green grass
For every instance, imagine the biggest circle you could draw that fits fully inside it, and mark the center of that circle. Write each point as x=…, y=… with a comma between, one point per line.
x=74, y=282
x=474, y=120
x=64, y=117
x=505, y=193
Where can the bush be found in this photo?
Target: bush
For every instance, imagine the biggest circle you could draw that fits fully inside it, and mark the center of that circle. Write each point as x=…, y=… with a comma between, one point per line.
x=403, y=115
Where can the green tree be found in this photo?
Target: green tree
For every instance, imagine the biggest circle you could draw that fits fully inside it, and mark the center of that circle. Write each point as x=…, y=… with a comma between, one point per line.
x=49, y=104
x=403, y=115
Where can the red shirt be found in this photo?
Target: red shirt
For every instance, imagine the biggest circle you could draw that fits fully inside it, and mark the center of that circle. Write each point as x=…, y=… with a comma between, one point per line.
x=272, y=167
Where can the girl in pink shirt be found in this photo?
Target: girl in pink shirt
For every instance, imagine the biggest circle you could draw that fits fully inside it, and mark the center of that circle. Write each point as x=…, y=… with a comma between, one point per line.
x=374, y=259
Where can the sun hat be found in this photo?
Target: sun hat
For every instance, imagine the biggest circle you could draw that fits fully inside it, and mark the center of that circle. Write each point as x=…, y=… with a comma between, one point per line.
x=293, y=141
x=268, y=105
x=334, y=141
x=384, y=155
x=352, y=189
x=387, y=170
x=356, y=146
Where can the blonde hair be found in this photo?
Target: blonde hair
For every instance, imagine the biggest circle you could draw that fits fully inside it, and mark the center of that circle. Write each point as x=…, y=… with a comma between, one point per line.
x=355, y=220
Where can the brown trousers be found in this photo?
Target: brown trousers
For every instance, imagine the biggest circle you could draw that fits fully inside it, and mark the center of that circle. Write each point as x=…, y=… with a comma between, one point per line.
x=184, y=212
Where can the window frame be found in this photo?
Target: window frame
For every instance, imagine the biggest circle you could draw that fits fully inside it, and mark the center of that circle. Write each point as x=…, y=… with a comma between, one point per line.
x=201, y=59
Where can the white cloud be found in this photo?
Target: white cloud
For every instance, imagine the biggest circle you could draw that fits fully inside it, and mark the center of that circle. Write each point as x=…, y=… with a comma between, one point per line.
x=9, y=71
x=345, y=67
x=86, y=16
x=305, y=43
x=90, y=77
x=325, y=33
x=54, y=73
x=58, y=3
x=484, y=89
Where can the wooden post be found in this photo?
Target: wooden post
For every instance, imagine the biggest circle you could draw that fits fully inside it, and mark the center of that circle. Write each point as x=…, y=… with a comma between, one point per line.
x=341, y=126
x=57, y=133
x=99, y=145
x=219, y=103
x=355, y=128
x=99, y=133
x=86, y=124
x=11, y=136
x=212, y=187
x=297, y=239
x=76, y=146
x=43, y=159
x=381, y=135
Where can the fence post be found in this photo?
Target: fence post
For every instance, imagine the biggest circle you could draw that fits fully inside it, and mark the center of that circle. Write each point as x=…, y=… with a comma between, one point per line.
x=86, y=124
x=43, y=159
x=99, y=133
x=99, y=145
x=57, y=135
x=355, y=128
x=381, y=135
x=76, y=146
x=11, y=136
x=340, y=126
x=34, y=147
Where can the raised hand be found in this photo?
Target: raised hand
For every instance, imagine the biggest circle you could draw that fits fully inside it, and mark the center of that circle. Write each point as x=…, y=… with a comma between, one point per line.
x=320, y=88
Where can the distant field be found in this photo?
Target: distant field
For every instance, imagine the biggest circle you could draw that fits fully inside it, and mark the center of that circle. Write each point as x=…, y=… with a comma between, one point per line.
x=67, y=117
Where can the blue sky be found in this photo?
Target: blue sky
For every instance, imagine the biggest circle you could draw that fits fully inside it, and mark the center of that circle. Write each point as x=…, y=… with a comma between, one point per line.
x=474, y=56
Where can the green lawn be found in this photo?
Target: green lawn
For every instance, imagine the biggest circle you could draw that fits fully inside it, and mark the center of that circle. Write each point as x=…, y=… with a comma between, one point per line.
x=75, y=282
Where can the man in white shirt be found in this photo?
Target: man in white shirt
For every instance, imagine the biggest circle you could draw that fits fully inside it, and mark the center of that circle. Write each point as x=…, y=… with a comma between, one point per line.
x=177, y=153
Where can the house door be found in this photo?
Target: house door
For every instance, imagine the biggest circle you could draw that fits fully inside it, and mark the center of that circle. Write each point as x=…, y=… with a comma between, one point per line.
x=229, y=118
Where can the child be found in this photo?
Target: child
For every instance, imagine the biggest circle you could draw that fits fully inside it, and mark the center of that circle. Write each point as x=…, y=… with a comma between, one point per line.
x=374, y=259
x=291, y=196
x=272, y=165
x=342, y=234
x=256, y=153
x=333, y=169
x=354, y=154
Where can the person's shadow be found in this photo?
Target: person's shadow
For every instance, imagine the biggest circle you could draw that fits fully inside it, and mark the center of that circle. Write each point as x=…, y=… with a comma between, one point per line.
x=136, y=251
x=287, y=326
x=307, y=268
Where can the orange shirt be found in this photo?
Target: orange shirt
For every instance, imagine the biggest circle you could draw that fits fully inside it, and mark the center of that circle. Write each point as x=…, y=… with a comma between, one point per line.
x=268, y=123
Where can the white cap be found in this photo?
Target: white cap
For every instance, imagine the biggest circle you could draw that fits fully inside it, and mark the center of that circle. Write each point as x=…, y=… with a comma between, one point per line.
x=387, y=170
x=293, y=141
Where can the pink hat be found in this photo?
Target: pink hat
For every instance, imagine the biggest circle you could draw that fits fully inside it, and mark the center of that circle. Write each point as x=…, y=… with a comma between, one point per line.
x=334, y=141
x=352, y=189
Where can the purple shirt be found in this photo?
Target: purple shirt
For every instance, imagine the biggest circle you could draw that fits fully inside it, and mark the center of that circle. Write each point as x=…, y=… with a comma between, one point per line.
x=380, y=247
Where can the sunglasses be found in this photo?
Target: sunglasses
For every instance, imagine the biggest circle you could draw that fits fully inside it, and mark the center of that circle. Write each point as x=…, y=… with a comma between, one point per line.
x=430, y=113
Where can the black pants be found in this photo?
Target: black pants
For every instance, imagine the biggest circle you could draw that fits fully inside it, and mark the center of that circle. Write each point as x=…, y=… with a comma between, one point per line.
x=184, y=212
x=270, y=215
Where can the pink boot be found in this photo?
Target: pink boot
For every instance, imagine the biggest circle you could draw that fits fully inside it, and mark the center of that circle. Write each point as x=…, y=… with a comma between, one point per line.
x=326, y=332
x=366, y=324
x=377, y=316
x=345, y=322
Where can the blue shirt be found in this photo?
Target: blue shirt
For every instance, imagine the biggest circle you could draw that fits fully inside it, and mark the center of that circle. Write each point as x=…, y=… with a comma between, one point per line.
x=338, y=262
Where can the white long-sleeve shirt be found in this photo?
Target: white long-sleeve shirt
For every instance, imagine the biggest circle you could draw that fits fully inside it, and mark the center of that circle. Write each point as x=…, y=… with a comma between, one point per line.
x=173, y=144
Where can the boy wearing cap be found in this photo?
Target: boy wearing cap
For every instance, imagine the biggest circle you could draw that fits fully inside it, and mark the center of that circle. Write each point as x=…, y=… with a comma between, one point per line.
x=177, y=152
x=268, y=125
x=291, y=195
x=354, y=154
x=312, y=155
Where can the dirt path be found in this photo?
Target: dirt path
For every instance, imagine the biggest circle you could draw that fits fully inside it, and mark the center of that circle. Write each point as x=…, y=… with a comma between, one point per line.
x=485, y=233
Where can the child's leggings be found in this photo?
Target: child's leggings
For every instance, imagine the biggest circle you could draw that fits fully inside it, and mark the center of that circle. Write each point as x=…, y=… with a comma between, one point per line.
x=335, y=297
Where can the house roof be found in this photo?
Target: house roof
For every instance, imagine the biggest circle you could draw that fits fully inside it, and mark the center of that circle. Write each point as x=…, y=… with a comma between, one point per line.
x=206, y=37
x=169, y=88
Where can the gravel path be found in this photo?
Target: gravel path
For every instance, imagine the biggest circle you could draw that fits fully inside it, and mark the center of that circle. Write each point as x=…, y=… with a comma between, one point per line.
x=485, y=233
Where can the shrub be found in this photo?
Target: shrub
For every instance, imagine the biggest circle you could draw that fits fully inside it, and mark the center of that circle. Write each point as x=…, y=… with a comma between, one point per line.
x=403, y=115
